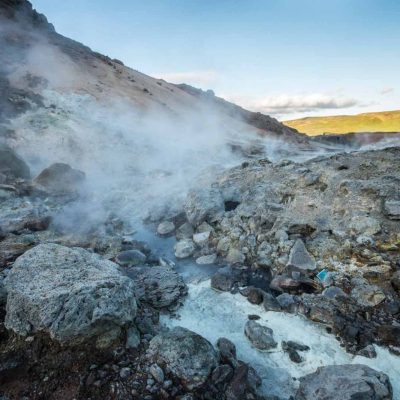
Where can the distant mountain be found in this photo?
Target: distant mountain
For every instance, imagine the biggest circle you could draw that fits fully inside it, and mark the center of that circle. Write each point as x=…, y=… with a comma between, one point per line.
x=386, y=121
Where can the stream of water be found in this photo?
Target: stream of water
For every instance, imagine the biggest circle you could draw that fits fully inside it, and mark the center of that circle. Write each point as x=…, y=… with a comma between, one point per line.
x=214, y=314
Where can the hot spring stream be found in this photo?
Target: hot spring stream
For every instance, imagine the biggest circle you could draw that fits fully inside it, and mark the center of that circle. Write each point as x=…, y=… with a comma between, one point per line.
x=215, y=314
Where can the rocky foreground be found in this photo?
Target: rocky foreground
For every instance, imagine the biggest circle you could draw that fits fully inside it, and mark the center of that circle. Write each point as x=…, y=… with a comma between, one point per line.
x=80, y=313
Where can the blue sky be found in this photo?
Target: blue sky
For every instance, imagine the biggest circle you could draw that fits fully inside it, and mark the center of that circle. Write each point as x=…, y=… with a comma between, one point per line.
x=288, y=58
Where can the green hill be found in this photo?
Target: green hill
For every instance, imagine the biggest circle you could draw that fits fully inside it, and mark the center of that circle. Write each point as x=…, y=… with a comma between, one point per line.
x=386, y=121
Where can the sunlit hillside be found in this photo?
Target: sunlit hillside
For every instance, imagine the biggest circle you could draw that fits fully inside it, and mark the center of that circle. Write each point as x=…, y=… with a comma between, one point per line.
x=386, y=121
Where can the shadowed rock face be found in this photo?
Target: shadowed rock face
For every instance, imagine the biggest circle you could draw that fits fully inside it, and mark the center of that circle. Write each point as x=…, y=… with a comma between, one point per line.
x=71, y=294
x=345, y=382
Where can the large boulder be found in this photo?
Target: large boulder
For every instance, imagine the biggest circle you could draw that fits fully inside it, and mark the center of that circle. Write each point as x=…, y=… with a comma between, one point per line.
x=60, y=179
x=71, y=294
x=204, y=205
x=185, y=354
x=11, y=165
x=158, y=286
x=345, y=382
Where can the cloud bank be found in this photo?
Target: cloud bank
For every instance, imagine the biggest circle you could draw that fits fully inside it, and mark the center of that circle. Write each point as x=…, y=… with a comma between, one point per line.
x=290, y=104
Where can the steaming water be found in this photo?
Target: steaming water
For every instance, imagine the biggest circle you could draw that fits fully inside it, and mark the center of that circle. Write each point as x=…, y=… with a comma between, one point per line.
x=213, y=315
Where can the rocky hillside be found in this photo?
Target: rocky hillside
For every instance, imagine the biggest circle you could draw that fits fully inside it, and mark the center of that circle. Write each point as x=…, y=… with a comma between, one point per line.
x=36, y=59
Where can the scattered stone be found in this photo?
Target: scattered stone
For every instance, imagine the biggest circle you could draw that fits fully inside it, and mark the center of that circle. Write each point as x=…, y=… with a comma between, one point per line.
x=132, y=338
x=288, y=302
x=206, y=260
x=157, y=373
x=392, y=209
x=235, y=256
x=270, y=303
x=344, y=382
x=201, y=238
x=204, y=205
x=226, y=278
x=185, y=231
x=184, y=248
x=367, y=226
x=255, y=295
x=158, y=286
x=368, y=351
x=71, y=294
x=368, y=295
x=187, y=355
x=260, y=336
x=166, y=228
x=223, y=373
x=227, y=351
x=130, y=258
x=300, y=259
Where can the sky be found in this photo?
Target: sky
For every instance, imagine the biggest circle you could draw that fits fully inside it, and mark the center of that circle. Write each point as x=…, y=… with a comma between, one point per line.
x=286, y=58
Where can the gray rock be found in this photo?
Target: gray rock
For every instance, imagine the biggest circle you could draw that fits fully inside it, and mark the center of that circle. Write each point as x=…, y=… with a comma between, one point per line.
x=392, y=209
x=132, y=338
x=11, y=165
x=166, y=228
x=226, y=278
x=260, y=336
x=204, y=204
x=368, y=351
x=71, y=294
x=227, y=351
x=395, y=280
x=206, y=260
x=333, y=291
x=157, y=373
x=201, y=238
x=235, y=256
x=60, y=179
x=368, y=295
x=185, y=231
x=223, y=373
x=364, y=225
x=345, y=382
x=158, y=286
x=130, y=257
x=184, y=248
x=288, y=302
x=187, y=355
x=300, y=259
x=270, y=303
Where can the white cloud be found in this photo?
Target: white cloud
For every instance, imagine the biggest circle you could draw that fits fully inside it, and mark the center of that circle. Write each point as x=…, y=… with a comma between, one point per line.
x=206, y=77
x=298, y=103
x=386, y=90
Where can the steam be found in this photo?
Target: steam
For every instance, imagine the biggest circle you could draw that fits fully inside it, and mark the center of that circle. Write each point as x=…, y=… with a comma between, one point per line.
x=139, y=153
